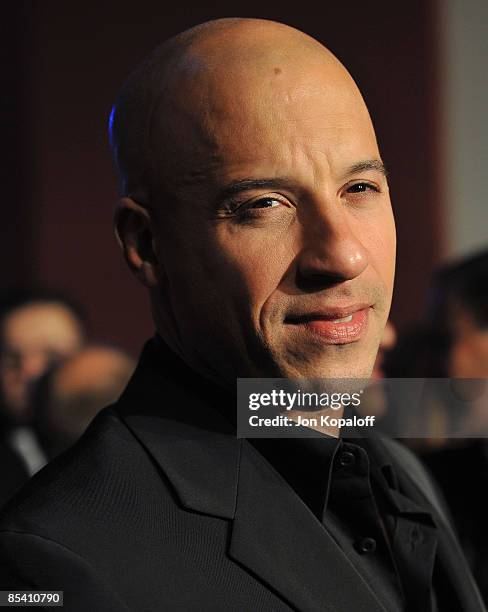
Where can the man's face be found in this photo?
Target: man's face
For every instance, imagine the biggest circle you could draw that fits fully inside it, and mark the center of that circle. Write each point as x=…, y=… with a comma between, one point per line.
x=468, y=357
x=277, y=253
x=33, y=338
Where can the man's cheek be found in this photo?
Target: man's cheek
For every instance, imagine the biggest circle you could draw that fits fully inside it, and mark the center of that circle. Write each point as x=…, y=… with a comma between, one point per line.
x=381, y=247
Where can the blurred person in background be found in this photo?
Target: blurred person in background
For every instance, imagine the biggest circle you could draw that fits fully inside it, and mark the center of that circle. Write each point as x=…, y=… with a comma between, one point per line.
x=460, y=309
x=69, y=396
x=38, y=328
x=453, y=343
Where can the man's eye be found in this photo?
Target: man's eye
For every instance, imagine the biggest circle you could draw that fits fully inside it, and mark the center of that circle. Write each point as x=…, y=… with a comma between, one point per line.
x=264, y=203
x=252, y=208
x=362, y=188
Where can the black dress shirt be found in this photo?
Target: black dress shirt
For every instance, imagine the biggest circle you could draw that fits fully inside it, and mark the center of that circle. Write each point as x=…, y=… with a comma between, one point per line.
x=354, y=493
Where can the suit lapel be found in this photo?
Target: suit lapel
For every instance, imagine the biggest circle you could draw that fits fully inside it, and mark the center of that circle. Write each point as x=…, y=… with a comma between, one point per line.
x=201, y=466
x=191, y=442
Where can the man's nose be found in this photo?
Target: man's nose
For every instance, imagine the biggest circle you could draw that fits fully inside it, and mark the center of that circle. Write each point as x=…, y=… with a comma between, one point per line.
x=331, y=251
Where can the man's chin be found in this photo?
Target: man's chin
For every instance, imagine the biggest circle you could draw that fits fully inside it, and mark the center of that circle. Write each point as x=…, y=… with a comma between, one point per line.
x=306, y=367
x=328, y=373
x=313, y=360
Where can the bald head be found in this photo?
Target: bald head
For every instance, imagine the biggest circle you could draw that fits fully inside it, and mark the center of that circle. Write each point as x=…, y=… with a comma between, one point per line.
x=253, y=194
x=71, y=395
x=214, y=77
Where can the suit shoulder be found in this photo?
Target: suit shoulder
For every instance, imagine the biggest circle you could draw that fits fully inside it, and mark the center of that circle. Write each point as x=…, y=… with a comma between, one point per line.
x=87, y=481
x=54, y=565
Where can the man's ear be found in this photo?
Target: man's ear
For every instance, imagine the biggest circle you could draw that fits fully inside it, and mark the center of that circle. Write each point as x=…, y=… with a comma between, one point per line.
x=135, y=234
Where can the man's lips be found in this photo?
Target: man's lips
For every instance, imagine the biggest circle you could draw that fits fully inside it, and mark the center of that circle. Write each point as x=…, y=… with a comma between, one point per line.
x=334, y=325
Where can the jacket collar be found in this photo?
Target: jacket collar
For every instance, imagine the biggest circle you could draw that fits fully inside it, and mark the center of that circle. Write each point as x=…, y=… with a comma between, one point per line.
x=169, y=409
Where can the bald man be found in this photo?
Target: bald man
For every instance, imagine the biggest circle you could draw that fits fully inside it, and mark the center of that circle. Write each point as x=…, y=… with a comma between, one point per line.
x=70, y=396
x=255, y=210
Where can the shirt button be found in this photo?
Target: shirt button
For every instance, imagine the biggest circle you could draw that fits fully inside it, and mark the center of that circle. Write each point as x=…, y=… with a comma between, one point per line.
x=347, y=459
x=365, y=545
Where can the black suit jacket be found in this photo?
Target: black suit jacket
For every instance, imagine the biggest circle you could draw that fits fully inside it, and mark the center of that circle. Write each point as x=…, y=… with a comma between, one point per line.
x=161, y=507
x=13, y=473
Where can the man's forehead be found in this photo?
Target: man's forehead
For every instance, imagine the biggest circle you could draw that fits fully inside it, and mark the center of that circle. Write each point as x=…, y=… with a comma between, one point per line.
x=238, y=85
x=269, y=141
x=244, y=82
x=240, y=124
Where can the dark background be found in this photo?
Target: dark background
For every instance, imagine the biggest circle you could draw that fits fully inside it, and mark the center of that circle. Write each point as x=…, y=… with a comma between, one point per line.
x=65, y=64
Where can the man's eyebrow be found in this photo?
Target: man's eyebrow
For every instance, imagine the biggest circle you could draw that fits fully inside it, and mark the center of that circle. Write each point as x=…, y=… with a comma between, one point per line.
x=246, y=184
x=368, y=164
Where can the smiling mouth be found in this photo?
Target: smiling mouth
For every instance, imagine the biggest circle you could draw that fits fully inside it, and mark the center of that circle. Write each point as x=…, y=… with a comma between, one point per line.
x=337, y=326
